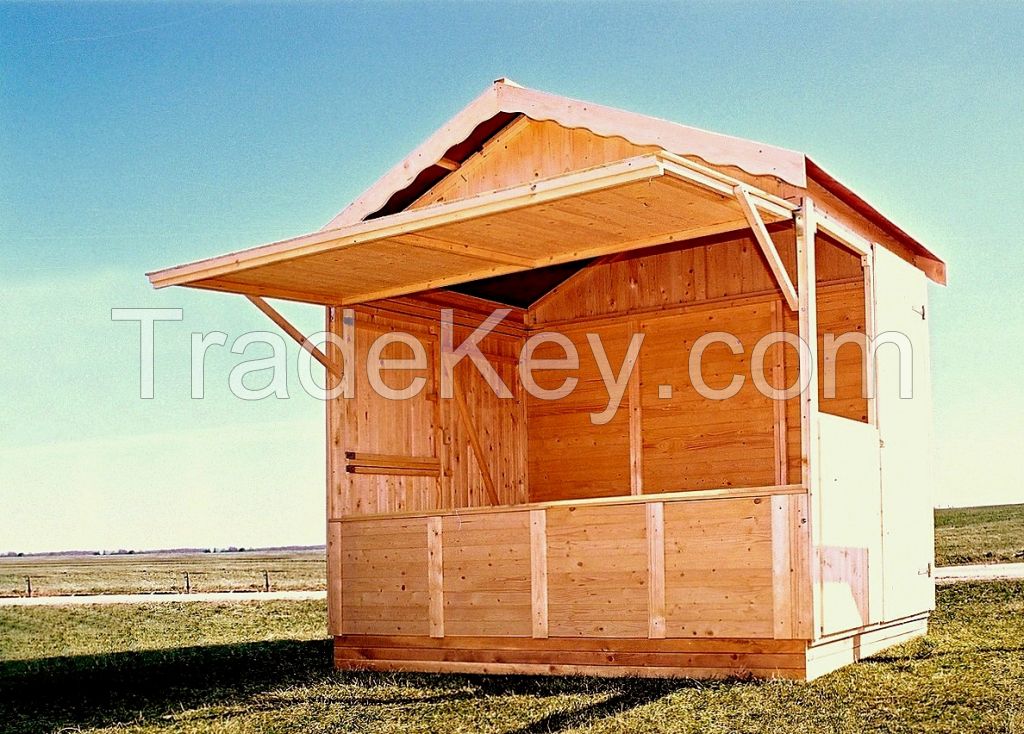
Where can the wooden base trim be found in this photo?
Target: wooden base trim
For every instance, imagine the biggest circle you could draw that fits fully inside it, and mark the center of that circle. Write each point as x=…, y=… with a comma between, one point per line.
x=718, y=658
x=622, y=644
x=601, y=671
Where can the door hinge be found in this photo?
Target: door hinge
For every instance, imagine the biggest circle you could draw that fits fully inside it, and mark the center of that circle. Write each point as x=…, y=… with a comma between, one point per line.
x=921, y=312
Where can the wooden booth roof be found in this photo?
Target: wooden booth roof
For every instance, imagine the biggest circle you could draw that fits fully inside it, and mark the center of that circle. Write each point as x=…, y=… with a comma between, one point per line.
x=686, y=183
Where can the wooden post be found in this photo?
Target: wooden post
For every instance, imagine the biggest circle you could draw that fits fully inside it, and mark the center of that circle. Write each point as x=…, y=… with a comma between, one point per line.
x=656, y=569
x=808, y=331
x=188, y=584
x=791, y=601
x=334, y=579
x=435, y=572
x=539, y=572
x=266, y=580
x=28, y=584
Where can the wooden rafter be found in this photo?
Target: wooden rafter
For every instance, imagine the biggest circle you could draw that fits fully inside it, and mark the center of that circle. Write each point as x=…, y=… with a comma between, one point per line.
x=843, y=235
x=302, y=340
x=764, y=240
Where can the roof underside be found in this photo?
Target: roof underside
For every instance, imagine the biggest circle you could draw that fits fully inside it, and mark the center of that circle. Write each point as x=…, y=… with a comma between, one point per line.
x=616, y=207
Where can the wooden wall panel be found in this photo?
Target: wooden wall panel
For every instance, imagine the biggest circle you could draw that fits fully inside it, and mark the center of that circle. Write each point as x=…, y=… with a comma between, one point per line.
x=718, y=568
x=569, y=456
x=710, y=268
x=498, y=424
x=384, y=564
x=426, y=426
x=487, y=575
x=689, y=441
x=597, y=571
x=717, y=271
x=669, y=276
x=529, y=150
x=375, y=425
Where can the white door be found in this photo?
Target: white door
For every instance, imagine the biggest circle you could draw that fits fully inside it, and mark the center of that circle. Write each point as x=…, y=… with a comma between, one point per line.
x=904, y=423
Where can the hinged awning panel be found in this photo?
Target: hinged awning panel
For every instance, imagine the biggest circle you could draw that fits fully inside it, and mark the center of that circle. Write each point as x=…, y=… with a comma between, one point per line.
x=629, y=204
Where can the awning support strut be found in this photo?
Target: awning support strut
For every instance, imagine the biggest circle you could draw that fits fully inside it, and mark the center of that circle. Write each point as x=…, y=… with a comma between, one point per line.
x=297, y=335
x=764, y=240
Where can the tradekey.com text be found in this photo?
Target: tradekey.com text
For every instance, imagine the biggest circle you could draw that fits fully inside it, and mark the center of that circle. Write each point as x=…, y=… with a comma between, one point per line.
x=415, y=370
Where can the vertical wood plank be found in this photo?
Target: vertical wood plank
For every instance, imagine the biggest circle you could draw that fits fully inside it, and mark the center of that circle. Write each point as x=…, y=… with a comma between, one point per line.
x=435, y=576
x=656, y=569
x=522, y=439
x=441, y=431
x=778, y=382
x=636, y=440
x=334, y=580
x=539, y=572
x=799, y=554
x=808, y=331
x=700, y=273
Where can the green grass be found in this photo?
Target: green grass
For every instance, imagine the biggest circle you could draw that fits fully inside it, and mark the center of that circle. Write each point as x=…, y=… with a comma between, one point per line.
x=979, y=535
x=264, y=667
x=156, y=573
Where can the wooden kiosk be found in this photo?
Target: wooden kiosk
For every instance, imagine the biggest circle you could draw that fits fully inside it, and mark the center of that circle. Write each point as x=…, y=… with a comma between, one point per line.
x=669, y=533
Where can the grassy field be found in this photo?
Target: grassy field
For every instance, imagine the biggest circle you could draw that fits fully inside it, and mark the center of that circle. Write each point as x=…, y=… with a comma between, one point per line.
x=156, y=573
x=979, y=535
x=264, y=666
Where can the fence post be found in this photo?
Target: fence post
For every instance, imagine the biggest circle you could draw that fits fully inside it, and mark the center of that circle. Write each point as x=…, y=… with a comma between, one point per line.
x=188, y=584
x=28, y=583
x=266, y=580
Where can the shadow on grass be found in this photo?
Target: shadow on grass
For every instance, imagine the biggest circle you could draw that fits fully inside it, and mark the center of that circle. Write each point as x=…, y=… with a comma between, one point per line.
x=632, y=693
x=148, y=686
x=98, y=690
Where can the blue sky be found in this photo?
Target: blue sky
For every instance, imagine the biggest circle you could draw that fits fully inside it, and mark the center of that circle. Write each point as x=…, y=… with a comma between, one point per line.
x=135, y=136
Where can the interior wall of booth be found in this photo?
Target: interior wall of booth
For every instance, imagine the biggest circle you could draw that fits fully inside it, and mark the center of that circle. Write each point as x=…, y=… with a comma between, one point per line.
x=666, y=436
x=656, y=440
